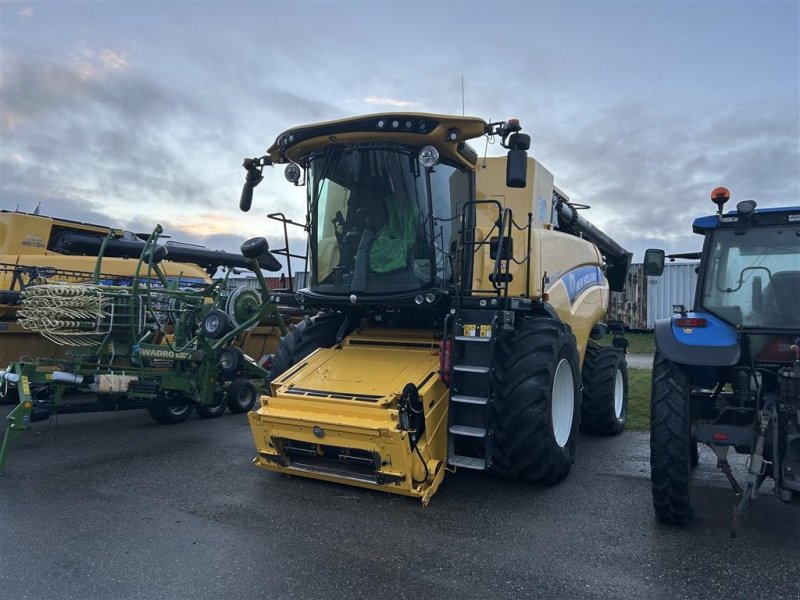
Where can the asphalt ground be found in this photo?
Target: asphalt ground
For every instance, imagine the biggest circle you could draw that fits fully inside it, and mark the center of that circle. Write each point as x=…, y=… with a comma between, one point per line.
x=115, y=506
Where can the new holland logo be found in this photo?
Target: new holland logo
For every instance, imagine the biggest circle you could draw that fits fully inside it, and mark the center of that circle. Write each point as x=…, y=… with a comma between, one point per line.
x=163, y=353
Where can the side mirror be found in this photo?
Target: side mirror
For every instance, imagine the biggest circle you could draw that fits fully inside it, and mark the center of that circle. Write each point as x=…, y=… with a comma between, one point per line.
x=653, y=262
x=252, y=179
x=517, y=160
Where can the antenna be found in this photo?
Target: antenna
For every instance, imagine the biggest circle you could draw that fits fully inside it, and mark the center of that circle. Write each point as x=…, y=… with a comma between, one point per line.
x=462, y=96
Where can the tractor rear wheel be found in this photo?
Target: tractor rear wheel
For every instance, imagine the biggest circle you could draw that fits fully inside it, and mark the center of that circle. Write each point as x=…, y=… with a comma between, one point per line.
x=604, y=404
x=310, y=334
x=536, y=409
x=670, y=443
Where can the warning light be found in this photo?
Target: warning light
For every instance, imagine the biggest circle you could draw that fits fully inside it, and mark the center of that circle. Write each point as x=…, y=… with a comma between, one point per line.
x=719, y=196
x=718, y=436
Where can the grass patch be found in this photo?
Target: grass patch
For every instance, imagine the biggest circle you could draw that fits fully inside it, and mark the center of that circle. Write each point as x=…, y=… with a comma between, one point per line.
x=639, y=381
x=641, y=343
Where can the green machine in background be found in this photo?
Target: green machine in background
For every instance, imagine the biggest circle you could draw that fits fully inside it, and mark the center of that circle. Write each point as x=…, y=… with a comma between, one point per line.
x=148, y=343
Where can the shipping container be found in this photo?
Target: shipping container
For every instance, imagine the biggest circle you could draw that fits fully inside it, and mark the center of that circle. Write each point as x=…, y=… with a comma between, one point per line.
x=648, y=299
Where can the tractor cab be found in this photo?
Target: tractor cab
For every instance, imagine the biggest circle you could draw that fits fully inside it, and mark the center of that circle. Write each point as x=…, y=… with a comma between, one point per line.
x=752, y=275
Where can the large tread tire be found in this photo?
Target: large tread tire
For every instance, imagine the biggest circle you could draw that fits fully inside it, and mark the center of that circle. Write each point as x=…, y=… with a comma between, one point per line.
x=526, y=362
x=670, y=443
x=604, y=403
x=303, y=338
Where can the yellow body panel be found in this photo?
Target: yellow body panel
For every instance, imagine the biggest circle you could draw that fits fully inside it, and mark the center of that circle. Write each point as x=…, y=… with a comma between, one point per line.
x=553, y=254
x=350, y=393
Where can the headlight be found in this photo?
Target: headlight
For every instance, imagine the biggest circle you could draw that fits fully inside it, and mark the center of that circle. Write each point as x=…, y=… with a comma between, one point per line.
x=428, y=156
x=292, y=173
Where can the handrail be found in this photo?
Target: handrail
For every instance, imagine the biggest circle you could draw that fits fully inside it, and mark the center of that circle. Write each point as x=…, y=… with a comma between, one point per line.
x=279, y=216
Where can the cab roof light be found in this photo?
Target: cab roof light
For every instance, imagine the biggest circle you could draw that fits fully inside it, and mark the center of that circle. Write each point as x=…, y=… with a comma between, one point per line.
x=746, y=207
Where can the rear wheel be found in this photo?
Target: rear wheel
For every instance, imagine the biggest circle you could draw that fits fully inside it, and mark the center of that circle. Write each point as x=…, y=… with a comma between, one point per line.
x=170, y=415
x=604, y=404
x=536, y=410
x=310, y=334
x=670, y=443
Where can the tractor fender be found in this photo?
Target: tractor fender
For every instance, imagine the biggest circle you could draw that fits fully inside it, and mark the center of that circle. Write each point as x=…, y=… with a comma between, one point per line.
x=714, y=346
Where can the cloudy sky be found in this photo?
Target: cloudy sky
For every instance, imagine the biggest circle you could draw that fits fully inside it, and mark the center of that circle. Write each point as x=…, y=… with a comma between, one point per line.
x=131, y=113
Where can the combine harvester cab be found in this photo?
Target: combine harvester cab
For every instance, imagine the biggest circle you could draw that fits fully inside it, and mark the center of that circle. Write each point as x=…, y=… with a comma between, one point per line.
x=450, y=306
x=726, y=372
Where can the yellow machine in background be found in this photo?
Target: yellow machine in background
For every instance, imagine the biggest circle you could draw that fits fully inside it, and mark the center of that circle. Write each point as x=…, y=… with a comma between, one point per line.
x=451, y=305
x=40, y=249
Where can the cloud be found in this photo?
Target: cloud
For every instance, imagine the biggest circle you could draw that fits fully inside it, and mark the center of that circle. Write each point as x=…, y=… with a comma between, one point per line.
x=26, y=12
x=31, y=87
x=647, y=170
x=113, y=61
x=385, y=101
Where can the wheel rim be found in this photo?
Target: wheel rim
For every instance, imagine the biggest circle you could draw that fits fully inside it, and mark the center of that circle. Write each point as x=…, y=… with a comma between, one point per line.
x=226, y=361
x=212, y=323
x=244, y=397
x=563, y=402
x=178, y=409
x=619, y=394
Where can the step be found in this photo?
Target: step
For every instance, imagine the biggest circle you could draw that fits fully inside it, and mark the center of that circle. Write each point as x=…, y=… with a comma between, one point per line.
x=471, y=369
x=467, y=462
x=478, y=432
x=469, y=399
x=472, y=338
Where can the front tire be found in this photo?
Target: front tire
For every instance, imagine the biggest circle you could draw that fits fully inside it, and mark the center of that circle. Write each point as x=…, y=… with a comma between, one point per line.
x=310, y=334
x=604, y=405
x=536, y=410
x=670, y=443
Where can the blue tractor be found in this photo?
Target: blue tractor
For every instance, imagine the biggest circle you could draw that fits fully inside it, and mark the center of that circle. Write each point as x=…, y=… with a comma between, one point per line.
x=726, y=373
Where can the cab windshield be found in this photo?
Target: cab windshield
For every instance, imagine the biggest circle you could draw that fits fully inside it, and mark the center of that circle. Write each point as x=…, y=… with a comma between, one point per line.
x=381, y=223
x=753, y=277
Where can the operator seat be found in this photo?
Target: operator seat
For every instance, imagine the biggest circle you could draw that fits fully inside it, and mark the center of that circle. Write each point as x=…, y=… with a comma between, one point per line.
x=782, y=297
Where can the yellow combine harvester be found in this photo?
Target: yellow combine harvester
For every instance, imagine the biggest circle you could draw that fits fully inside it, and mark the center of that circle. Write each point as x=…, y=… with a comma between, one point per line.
x=454, y=300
